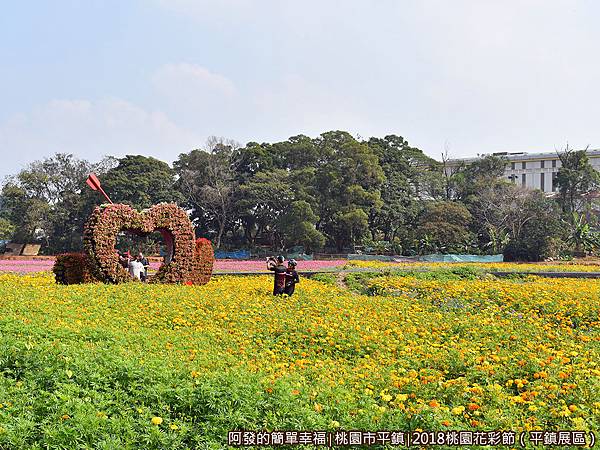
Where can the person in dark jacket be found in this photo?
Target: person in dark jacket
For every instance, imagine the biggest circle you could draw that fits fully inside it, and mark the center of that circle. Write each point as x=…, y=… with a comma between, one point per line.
x=146, y=264
x=277, y=266
x=291, y=277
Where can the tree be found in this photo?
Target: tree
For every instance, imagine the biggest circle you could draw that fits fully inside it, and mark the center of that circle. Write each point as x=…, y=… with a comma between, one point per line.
x=493, y=214
x=467, y=179
x=351, y=225
x=444, y=226
x=6, y=229
x=410, y=177
x=29, y=214
x=48, y=201
x=503, y=211
x=298, y=227
x=207, y=180
x=447, y=172
x=262, y=200
x=334, y=173
x=348, y=178
x=141, y=182
x=536, y=229
x=575, y=177
x=271, y=177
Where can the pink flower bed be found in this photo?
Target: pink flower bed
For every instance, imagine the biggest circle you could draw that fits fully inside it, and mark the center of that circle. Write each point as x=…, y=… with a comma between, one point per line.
x=26, y=266
x=229, y=265
x=221, y=265
x=261, y=266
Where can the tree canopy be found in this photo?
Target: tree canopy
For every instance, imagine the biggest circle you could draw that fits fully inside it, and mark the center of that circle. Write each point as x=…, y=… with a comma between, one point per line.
x=333, y=192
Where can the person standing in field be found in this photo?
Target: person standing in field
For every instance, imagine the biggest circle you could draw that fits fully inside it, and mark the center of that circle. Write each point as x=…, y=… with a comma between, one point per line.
x=276, y=265
x=136, y=268
x=146, y=264
x=291, y=277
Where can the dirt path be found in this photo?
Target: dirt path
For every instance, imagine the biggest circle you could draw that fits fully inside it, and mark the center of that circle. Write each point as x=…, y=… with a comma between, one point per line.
x=340, y=280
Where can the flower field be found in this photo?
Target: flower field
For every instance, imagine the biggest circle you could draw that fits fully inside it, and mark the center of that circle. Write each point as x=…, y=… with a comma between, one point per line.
x=487, y=267
x=172, y=366
x=221, y=265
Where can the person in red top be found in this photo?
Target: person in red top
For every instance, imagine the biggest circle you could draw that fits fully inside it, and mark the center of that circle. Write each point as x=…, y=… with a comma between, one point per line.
x=277, y=266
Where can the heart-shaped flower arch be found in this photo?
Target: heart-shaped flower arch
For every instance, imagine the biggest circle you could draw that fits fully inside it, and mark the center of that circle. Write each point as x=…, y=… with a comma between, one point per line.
x=187, y=261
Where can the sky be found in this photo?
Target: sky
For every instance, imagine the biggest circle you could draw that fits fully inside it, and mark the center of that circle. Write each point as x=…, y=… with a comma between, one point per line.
x=158, y=77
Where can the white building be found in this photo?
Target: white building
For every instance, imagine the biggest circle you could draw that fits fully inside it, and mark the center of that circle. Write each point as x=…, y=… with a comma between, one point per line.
x=533, y=170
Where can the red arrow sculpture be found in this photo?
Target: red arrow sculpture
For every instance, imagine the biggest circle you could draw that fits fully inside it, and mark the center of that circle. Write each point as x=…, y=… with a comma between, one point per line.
x=93, y=182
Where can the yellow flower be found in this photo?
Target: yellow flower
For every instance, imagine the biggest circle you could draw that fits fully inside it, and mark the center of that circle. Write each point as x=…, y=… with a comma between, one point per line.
x=457, y=410
x=401, y=397
x=579, y=423
x=156, y=420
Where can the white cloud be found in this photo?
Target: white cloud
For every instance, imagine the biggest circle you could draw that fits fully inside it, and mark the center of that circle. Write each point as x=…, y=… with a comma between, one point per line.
x=92, y=129
x=484, y=76
x=296, y=106
x=210, y=10
x=183, y=78
x=189, y=103
x=195, y=97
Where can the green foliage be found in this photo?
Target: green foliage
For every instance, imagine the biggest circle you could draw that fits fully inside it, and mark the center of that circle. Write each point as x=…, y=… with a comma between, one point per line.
x=207, y=181
x=334, y=191
x=358, y=282
x=298, y=227
x=410, y=176
x=361, y=282
x=539, y=233
x=141, y=182
x=444, y=228
x=348, y=178
x=326, y=278
x=66, y=396
x=581, y=236
x=575, y=177
x=48, y=201
x=350, y=226
x=7, y=229
x=465, y=181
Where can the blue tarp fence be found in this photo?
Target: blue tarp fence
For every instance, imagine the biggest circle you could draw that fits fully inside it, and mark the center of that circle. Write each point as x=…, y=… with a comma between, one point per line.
x=429, y=258
x=299, y=256
x=462, y=258
x=361, y=257
x=238, y=254
x=245, y=254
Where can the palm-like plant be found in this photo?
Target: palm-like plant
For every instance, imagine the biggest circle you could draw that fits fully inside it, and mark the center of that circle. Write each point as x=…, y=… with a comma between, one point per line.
x=582, y=237
x=498, y=240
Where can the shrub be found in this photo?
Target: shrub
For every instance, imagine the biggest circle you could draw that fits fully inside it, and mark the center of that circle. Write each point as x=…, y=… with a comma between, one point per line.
x=73, y=268
x=204, y=258
x=326, y=278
